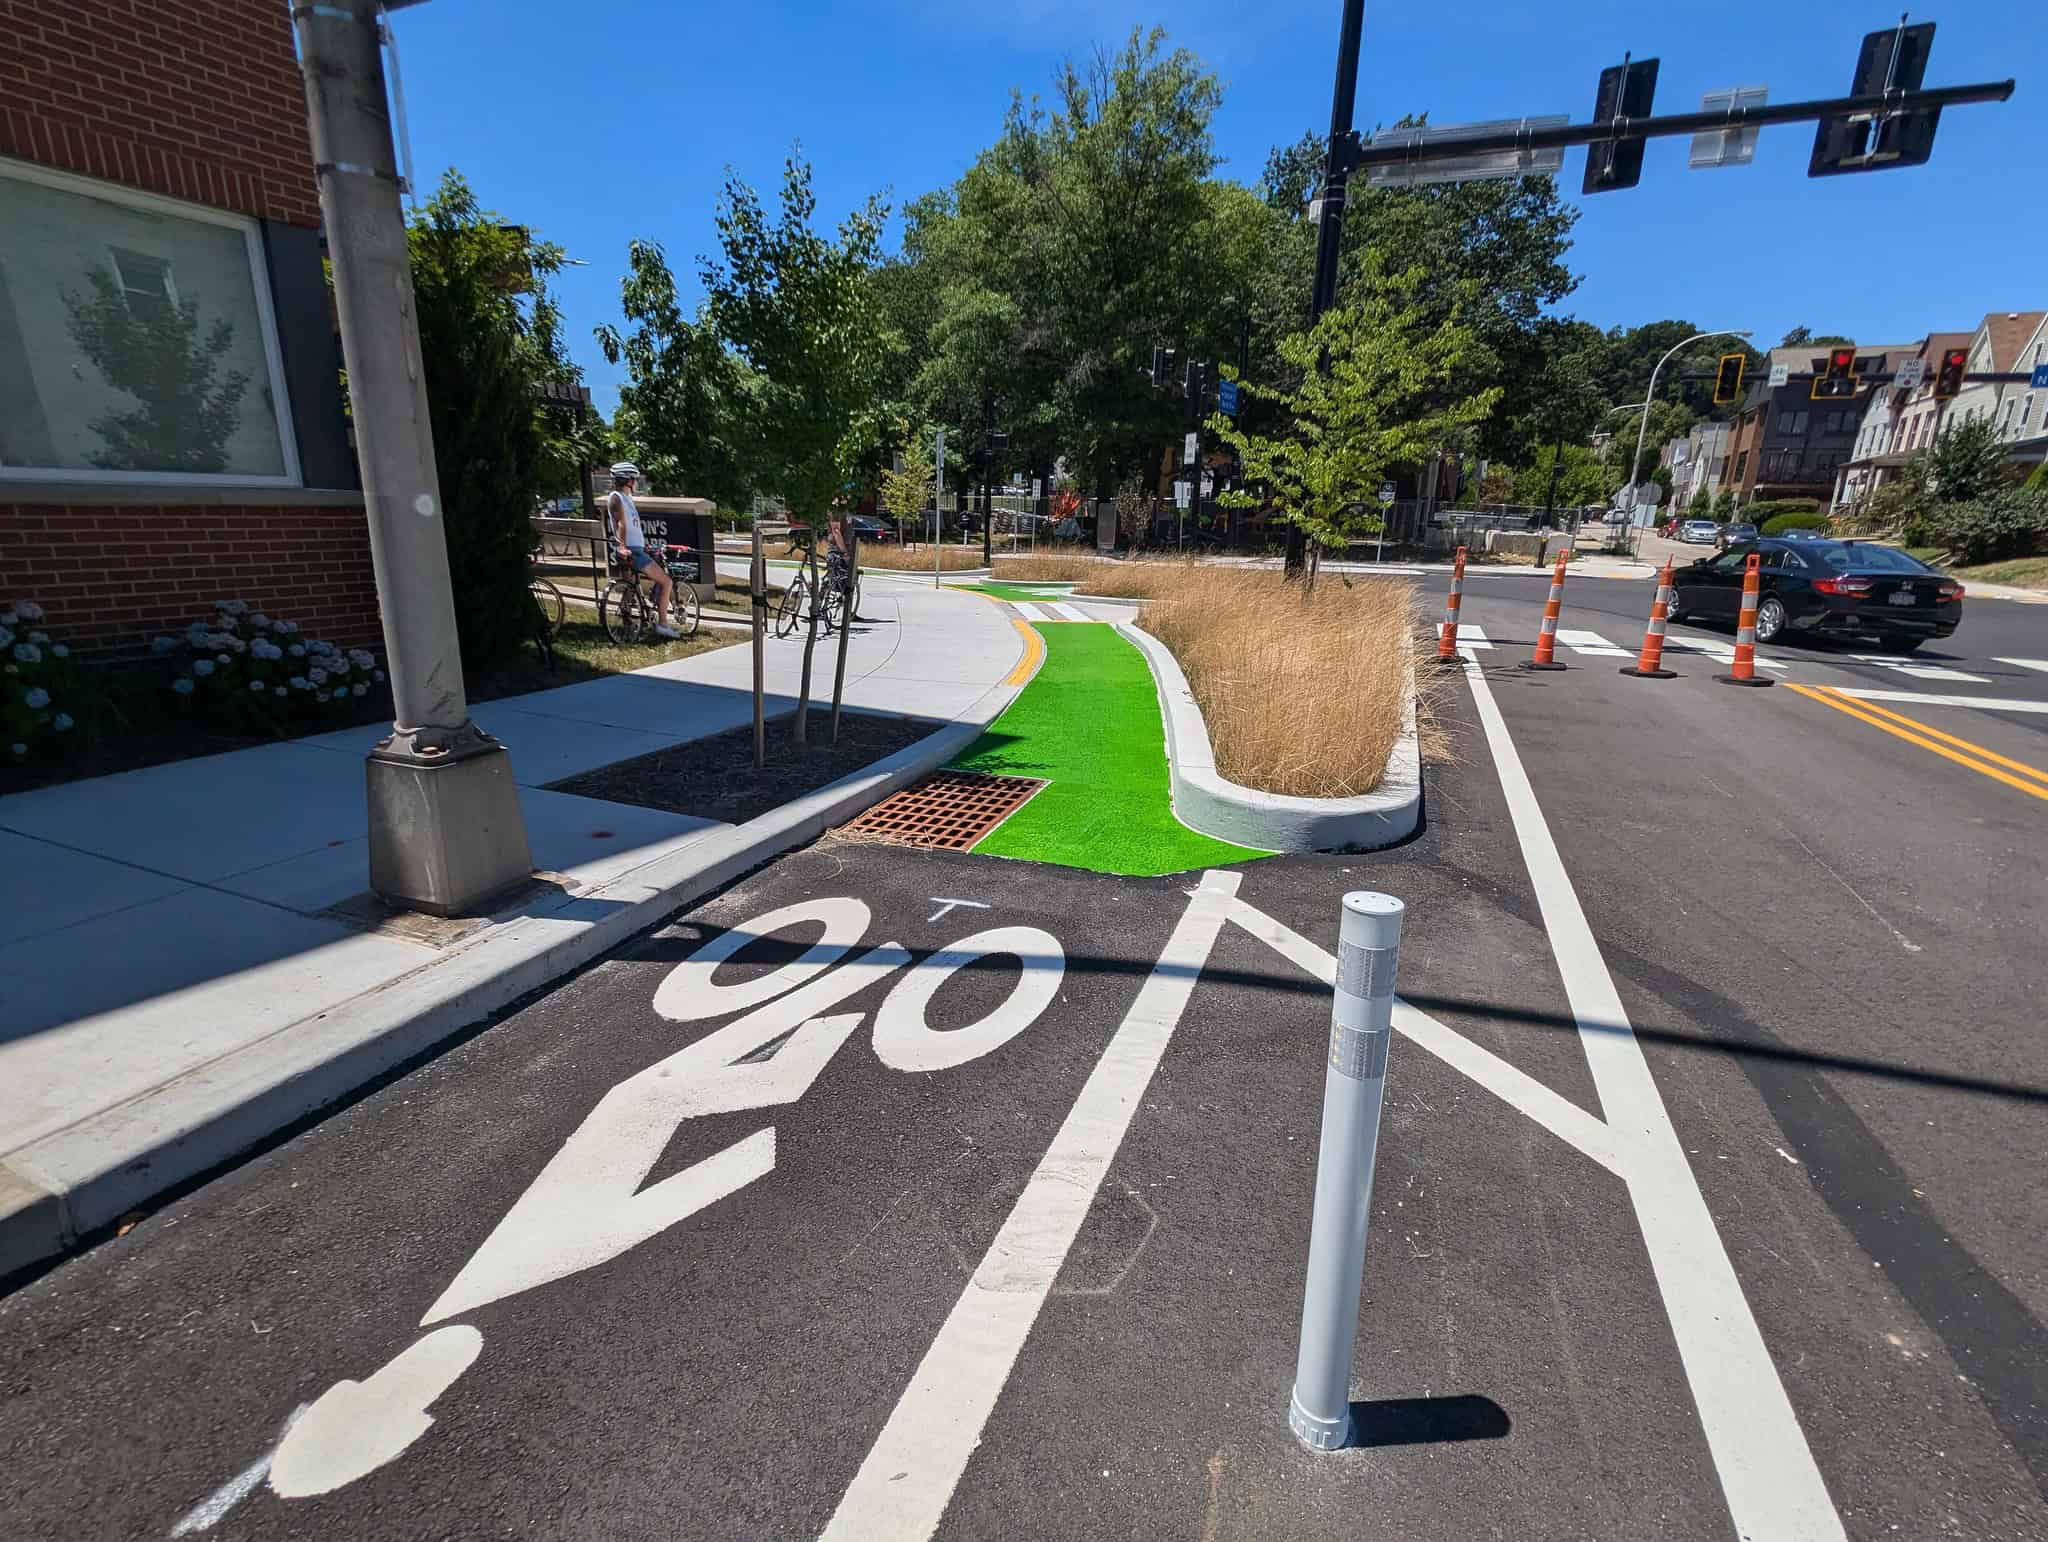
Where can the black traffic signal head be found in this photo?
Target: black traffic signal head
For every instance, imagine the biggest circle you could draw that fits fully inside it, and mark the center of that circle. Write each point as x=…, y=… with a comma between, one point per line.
x=1948, y=380
x=1728, y=378
x=1837, y=377
x=1625, y=91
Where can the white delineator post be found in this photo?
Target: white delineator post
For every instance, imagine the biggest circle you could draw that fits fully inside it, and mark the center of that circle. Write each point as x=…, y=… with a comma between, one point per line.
x=445, y=827
x=1354, y=1087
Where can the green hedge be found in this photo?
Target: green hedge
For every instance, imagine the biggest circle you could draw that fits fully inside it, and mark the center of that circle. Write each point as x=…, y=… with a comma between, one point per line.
x=1778, y=524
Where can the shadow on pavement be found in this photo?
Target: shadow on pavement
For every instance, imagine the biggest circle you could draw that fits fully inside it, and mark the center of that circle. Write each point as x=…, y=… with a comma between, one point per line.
x=1427, y=1421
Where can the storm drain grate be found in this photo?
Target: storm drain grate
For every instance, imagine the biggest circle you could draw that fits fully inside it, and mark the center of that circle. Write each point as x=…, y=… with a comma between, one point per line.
x=949, y=809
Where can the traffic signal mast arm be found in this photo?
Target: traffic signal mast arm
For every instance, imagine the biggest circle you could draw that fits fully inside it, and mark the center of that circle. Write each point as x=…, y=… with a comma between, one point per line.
x=1395, y=149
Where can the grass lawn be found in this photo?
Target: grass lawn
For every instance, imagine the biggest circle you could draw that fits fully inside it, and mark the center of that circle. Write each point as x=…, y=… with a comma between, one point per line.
x=583, y=652
x=1089, y=724
x=2025, y=572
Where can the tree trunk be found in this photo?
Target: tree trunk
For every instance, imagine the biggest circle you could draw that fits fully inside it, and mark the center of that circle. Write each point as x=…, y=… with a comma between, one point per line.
x=845, y=620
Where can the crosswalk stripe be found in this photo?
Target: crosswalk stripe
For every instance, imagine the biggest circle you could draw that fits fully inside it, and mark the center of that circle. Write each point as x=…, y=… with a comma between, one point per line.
x=1918, y=671
x=1028, y=612
x=1070, y=612
x=1721, y=653
x=1470, y=635
x=1591, y=643
x=2040, y=664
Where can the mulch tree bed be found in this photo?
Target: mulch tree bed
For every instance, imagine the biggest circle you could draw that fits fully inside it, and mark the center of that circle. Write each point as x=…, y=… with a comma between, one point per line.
x=714, y=778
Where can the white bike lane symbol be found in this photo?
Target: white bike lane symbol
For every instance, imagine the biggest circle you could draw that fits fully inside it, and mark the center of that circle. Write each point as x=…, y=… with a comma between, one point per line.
x=588, y=1206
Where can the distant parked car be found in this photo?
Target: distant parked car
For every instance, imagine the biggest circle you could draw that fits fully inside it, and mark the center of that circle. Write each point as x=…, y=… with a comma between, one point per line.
x=1804, y=535
x=1698, y=532
x=1735, y=535
x=868, y=528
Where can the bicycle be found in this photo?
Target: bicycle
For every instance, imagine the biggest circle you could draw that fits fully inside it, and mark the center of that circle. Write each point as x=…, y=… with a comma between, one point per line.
x=626, y=612
x=841, y=599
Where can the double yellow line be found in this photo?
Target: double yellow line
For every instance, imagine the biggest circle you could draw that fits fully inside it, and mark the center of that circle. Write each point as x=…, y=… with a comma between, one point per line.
x=2029, y=779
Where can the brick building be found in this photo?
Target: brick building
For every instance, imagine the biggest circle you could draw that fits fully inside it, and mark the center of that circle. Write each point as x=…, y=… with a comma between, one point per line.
x=171, y=422
x=1783, y=444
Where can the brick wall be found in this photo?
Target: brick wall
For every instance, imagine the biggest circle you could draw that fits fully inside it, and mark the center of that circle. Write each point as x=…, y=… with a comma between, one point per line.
x=112, y=577
x=194, y=99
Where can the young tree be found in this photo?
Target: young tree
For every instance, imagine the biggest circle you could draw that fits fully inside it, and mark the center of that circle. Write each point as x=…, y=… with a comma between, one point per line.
x=907, y=487
x=1381, y=388
x=800, y=310
x=489, y=336
x=1966, y=461
x=155, y=351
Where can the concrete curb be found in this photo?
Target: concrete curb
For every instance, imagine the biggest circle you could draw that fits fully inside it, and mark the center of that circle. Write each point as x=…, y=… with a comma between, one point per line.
x=69, y=1184
x=1205, y=801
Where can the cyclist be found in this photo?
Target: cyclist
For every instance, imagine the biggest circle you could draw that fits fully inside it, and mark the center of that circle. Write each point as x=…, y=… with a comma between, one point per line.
x=631, y=541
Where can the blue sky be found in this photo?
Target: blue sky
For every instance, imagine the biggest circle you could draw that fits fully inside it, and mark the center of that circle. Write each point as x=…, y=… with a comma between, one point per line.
x=598, y=122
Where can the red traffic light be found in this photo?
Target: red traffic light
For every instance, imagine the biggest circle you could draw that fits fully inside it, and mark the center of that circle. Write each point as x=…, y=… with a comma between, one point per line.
x=1838, y=379
x=1842, y=361
x=1948, y=380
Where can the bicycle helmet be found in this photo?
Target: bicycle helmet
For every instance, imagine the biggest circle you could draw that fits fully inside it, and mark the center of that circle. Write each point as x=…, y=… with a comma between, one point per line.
x=625, y=470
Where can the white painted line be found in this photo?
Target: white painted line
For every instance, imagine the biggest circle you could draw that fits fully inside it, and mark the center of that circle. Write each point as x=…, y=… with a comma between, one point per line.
x=1521, y=1092
x=1928, y=699
x=1472, y=635
x=1918, y=671
x=1071, y=612
x=2040, y=664
x=1028, y=611
x=1722, y=653
x=355, y=1427
x=902, y=1489
x=951, y=905
x=1590, y=642
x=1773, y=1487
x=210, y=1511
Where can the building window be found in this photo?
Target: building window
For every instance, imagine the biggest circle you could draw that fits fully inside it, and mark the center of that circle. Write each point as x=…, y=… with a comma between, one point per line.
x=136, y=339
x=1741, y=465
x=2027, y=410
x=2005, y=421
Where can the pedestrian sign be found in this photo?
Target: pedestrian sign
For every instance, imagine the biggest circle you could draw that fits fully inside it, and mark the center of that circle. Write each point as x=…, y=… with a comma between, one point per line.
x=1226, y=397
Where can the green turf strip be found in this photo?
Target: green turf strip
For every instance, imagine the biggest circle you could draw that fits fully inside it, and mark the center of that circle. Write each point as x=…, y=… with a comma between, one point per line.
x=1089, y=723
x=1031, y=594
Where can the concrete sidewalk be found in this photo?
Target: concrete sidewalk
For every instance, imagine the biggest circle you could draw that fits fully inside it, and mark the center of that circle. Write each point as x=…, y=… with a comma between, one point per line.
x=187, y=962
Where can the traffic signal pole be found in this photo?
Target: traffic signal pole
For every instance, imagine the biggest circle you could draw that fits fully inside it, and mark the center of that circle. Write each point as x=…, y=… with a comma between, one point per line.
x=1339, y=157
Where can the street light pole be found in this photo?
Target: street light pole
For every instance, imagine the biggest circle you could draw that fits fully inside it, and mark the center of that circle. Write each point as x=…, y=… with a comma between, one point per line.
x=1649, y=397
x=1338, y=159
x=445, y=829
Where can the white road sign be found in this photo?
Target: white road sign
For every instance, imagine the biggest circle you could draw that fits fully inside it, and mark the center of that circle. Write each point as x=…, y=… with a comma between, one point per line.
x=1910, y=374
x=1386, y=492
x=1182, y=494
x=1188, y=451
x=1780, y=373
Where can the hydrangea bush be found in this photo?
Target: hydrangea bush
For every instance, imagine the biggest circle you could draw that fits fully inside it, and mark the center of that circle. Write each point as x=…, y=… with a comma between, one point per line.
x=38, y=682
x=241, y=668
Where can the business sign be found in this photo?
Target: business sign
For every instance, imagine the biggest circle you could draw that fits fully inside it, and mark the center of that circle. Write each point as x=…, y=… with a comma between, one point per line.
x=1226, y=397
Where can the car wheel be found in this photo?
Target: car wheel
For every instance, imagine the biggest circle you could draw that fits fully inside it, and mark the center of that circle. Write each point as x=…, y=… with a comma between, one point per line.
x=1770, y=619
x=1675, y=611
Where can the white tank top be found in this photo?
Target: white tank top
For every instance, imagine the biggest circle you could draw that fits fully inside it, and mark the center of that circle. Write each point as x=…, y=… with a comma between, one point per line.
x=635, y=536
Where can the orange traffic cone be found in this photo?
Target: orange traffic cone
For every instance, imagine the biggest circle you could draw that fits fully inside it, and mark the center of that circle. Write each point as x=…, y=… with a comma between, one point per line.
x=1649, y=664
x=1546, y=635
x=1447, y=633
x=1744, y=672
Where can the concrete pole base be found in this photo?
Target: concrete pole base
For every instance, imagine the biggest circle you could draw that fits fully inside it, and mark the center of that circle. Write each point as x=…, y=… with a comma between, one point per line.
x=1649, y=674
x=1317, y=1433
x=447, y=837
x=1532, y=664
x=1738, y=680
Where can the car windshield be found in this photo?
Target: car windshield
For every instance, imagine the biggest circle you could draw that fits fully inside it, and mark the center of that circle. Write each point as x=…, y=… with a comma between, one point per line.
x=1865, y=556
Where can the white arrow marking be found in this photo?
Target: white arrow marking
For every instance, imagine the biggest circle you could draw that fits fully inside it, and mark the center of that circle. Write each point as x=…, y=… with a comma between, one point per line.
x=355, y=1427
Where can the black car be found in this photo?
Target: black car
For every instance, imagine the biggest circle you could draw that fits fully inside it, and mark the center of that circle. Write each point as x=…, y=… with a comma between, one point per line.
x=1824, y=589
x=868, y=528
x=1736, y=535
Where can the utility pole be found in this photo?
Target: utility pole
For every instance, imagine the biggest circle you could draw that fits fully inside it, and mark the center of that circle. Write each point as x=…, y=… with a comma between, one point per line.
x=1338, y=159
x=988, y=519
x=446, y=832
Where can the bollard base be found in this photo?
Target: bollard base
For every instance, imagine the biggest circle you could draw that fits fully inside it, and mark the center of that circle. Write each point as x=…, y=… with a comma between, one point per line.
x=1649, y=674
x=1738, y=680
x=1318, y=1434
x=1532, y=664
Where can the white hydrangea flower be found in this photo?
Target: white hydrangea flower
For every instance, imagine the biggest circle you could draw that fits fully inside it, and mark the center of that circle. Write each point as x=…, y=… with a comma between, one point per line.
x=37, y=699
x=199, y=634
x=223, y=660
x=62, y=723
x=297, y=650
x=362, y=658
x=28, y=610
x=27, y=653
x=361, y=689
x=287, y=627
x=39, y=637
x=183, y=686
x=203, y=667
x=162, y=645
x=232, y=607
x=61, y=651
x=6, y=637
x=317, y=676
x=256, y=686
x=260, y=621
x=278, y=690
x=299, y=683
x=377, y=674
x=17, y=749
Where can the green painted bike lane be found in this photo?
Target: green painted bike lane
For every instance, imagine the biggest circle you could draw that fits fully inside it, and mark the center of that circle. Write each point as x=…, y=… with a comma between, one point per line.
x=1088, y=723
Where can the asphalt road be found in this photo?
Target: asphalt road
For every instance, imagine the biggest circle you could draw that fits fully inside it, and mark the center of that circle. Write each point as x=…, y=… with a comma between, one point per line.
x=997, y=1273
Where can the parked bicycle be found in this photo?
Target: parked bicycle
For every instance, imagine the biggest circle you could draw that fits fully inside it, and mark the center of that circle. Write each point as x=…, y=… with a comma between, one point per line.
x=626, y=610
x=841, y=599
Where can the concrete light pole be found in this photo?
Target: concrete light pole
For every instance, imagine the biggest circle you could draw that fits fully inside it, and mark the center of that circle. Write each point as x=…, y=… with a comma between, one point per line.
x=446, y=831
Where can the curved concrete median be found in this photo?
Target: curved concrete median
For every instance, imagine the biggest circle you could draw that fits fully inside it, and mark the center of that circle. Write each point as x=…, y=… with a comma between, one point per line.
x=1206, y=800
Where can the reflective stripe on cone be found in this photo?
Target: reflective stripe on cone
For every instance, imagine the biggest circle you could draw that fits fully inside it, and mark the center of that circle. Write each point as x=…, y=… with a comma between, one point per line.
x=1546, y=634
x=1649, y=662
x=1447, y=631
x=1744, y=671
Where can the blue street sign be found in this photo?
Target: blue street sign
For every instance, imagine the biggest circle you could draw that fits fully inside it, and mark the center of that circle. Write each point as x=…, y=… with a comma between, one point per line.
x=2040, y=380
x=1226, y=396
